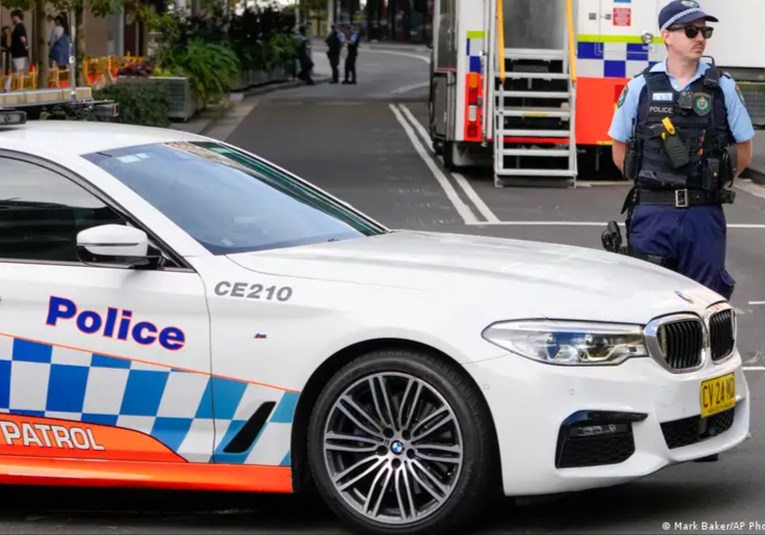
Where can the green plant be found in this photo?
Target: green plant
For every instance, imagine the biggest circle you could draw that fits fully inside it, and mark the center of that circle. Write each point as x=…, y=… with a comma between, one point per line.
x=285, y=48
x=211, y=68
x=261, y=37
x=140, y=103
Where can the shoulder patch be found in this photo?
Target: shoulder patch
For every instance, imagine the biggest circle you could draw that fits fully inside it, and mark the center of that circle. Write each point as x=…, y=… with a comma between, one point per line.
x=740, y=95
x=622, y=96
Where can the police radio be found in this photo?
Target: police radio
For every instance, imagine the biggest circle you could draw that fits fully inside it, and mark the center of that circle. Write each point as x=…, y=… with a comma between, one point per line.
x=673, y=145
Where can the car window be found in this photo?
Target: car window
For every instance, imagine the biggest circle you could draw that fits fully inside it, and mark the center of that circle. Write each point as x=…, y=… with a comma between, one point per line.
x=229, y=202
x=41, y=213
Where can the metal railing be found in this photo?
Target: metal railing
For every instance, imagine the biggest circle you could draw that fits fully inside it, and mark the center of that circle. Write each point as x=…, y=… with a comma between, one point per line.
x=571, y=40
x=501, y=39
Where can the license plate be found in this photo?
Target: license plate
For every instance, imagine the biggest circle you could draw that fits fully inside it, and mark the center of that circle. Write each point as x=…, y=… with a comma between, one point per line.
x=718, y=394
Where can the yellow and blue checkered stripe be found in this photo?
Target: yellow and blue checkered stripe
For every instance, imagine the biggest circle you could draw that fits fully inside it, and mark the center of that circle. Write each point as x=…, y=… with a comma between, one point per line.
x=600, y=56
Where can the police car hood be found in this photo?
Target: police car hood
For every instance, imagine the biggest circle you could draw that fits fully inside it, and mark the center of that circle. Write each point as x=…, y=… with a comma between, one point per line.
x=539, y=278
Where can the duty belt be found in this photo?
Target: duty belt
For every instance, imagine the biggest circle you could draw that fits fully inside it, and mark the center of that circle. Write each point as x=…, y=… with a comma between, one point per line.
x=679, y=198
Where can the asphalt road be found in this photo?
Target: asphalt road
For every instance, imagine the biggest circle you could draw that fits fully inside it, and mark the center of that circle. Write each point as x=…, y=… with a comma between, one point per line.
x=349, y=140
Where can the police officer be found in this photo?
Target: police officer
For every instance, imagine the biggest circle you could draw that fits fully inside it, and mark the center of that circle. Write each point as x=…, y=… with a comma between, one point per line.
x=334, y=42
x=304, y=57
x=682, y=133
x=350, y=58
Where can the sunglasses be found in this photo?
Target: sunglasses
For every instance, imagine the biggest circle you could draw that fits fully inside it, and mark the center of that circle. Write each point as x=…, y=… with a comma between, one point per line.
x=692, y=31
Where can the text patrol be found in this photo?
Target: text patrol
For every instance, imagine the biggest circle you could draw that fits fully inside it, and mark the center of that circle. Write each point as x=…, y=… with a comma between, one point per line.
x=116, y=324
x=48, y=436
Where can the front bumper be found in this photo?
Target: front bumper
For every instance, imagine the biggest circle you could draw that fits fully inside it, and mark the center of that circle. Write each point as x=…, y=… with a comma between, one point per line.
x=534, y=405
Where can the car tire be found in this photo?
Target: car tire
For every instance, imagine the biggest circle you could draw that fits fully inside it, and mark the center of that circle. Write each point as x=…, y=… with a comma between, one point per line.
x=399, y=457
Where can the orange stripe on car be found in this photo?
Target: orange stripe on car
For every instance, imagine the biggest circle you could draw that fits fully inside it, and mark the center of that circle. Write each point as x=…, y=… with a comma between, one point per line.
x=154, y=475
x=52, y=437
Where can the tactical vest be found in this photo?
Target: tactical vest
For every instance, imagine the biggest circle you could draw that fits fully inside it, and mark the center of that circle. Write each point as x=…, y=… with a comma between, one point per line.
x=700, y=118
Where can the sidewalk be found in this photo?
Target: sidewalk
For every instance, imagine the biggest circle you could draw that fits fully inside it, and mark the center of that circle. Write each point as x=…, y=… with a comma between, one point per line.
x=322, y=72
x=756, y=171
x=393, y=45
x=378, y=45
x=207, y=119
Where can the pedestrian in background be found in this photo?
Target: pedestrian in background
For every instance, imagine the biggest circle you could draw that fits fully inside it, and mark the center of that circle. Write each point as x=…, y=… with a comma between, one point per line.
x=19, y=43
x=334, y=48
x=350, y=58
x=5, y=54
x=304, y=57
x=682, y=133
x=58, y=43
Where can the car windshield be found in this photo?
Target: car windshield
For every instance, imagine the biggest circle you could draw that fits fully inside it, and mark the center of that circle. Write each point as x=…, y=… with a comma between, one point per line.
x=230, y=202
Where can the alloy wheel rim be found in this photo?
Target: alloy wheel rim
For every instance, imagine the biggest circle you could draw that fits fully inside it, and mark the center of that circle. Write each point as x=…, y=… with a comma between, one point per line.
x=393, y=448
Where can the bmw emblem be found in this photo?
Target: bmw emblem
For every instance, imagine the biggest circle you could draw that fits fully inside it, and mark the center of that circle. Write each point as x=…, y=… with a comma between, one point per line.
x=397, y=447
x=684, y=297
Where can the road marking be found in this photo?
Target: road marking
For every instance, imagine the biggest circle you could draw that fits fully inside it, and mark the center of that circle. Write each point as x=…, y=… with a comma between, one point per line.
x=750, y=187
x=589, y=224
x=754, y=368
x=462, y=209
x=477, y=201
x=461, y=180
x=756, y=303
x=224, y=127
x=546, y=223
x=426, y=59
x=408, y=88
x=591, y=183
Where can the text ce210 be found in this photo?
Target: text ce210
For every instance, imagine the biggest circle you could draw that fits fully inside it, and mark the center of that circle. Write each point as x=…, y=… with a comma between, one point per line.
x=246, y=290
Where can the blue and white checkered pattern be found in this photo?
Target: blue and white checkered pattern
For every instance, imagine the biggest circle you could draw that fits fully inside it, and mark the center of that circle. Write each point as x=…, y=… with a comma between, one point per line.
x=173, y=406
x=473, y=47
x=616, y=60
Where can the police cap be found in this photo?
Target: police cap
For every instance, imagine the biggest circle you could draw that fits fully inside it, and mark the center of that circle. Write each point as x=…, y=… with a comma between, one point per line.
x=682, y=12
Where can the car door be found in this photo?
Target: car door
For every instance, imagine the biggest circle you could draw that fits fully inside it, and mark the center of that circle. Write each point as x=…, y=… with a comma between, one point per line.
x=96, y=362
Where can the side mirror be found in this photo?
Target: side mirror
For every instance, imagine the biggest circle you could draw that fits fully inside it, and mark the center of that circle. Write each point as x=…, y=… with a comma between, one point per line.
x=115, y=245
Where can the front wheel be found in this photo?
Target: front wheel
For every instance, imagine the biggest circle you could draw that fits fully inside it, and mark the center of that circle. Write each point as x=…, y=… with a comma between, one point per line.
x=400, y=443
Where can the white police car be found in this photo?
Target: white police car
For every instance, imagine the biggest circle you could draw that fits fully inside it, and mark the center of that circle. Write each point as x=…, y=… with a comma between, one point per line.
x=200, y=318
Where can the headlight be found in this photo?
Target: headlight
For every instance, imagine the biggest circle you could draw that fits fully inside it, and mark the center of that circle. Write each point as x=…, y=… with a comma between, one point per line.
x=569, y=342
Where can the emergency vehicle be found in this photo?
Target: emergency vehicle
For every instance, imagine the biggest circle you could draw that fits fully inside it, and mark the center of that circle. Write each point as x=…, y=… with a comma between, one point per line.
x=533, y=84
x=55, y=103
x=179, y=313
